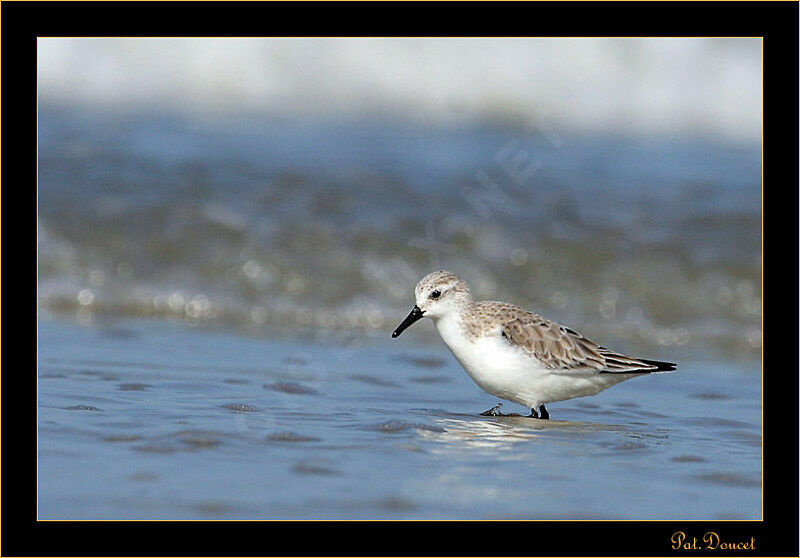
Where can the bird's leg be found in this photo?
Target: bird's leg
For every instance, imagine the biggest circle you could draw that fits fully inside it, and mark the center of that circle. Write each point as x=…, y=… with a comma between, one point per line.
x=533, y=414
x=493, y=412
x=543, y=412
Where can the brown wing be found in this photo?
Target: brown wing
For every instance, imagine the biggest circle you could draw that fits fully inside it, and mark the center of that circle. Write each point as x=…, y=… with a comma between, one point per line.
x=561, y=348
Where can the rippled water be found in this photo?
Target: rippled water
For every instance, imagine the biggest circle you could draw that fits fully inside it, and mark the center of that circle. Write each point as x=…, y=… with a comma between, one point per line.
x=216, y=298
x=260, y=222
x=149, y=419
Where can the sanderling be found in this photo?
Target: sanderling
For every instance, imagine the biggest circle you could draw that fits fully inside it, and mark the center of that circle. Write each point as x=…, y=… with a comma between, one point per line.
x=518, y=355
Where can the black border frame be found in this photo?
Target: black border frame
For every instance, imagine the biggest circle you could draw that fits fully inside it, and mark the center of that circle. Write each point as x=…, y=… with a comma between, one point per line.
x=22, y=22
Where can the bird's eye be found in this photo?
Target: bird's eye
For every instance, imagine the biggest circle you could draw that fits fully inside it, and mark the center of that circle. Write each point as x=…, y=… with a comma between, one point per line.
x=436, y=294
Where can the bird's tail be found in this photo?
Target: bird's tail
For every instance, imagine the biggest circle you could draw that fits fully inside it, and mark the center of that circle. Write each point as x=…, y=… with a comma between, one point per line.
x=661, y=366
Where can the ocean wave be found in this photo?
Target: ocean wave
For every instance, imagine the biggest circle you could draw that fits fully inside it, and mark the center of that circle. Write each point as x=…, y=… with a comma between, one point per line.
x=329, y=227
x=705, y=87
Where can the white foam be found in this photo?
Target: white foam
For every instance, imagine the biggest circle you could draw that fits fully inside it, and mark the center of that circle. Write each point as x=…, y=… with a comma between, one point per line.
x=652, y=86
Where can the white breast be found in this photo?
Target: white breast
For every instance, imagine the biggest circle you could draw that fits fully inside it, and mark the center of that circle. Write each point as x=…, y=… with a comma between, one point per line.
x=495, y=366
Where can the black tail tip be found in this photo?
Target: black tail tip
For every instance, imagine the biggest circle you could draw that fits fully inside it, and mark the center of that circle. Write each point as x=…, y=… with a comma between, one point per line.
x=661, y=366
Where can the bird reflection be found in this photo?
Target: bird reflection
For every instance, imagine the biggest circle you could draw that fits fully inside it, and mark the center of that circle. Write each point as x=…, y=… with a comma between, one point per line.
x=502, y=433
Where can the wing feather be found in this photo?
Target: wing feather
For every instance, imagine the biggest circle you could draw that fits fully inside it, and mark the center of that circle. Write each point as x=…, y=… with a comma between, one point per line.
x=556, y=346
x=561, y=348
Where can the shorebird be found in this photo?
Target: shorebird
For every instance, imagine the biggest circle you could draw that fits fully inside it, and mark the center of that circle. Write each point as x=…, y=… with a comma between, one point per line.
x=517, y=355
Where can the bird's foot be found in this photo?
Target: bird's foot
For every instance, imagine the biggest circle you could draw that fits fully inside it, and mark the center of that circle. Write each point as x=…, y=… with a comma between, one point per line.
x=543, y=413
x=493, y=412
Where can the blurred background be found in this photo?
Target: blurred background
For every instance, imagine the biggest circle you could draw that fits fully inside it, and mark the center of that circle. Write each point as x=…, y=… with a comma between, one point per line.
x=246, y=182
x=229, y=230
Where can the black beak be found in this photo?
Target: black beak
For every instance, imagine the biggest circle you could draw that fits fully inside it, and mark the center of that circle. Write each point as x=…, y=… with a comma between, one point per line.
x=415, y=315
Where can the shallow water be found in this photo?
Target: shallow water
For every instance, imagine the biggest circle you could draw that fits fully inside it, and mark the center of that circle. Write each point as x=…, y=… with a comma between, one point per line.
x=144, y=419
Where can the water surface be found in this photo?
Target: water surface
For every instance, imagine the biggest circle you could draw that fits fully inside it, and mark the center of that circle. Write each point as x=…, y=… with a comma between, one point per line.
x=259, y=222
x=216, y=296
x=152, y=420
